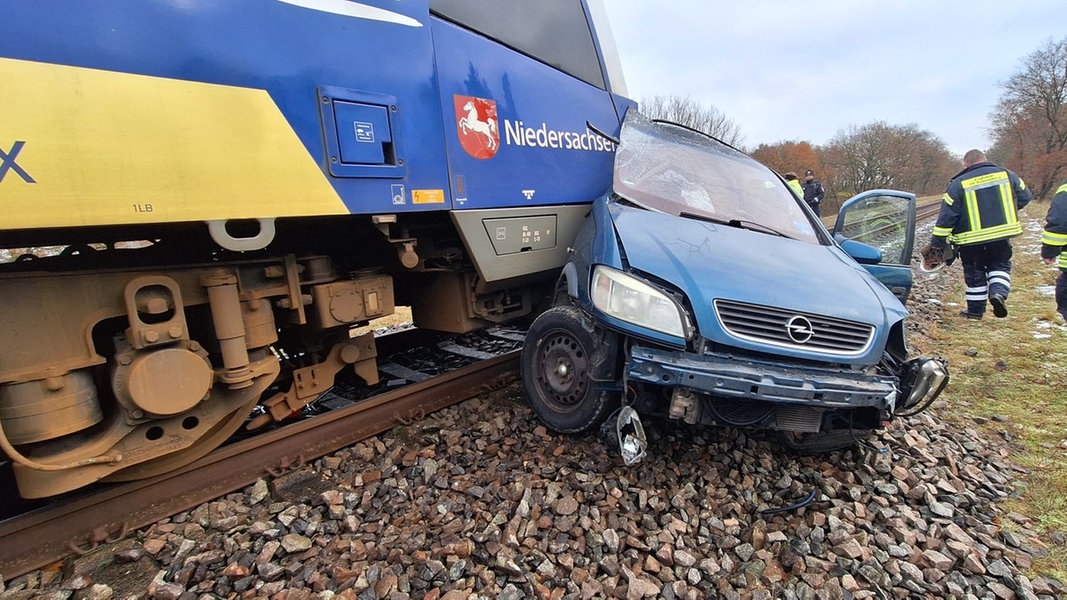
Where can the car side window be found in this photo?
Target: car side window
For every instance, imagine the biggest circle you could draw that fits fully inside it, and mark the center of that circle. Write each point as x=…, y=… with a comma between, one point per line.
x=882, y=222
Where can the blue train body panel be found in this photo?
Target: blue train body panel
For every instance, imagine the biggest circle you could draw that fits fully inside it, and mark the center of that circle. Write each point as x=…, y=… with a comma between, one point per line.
x=287, y=50
x=540, y=136
x=400, y=110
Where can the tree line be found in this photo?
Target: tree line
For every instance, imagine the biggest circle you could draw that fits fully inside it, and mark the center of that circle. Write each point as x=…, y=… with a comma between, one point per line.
x=1028, y=126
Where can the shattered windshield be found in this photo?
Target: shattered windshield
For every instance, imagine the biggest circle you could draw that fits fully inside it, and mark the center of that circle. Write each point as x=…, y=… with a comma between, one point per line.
x=671, y=169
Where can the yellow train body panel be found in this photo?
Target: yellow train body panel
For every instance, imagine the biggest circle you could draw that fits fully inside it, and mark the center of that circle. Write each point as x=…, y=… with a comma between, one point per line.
x=102, y=147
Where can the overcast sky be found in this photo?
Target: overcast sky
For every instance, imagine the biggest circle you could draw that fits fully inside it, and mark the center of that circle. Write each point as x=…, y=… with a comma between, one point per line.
x=805, y=70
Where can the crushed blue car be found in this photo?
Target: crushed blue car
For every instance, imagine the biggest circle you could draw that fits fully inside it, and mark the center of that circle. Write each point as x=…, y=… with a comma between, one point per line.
x=700, y=289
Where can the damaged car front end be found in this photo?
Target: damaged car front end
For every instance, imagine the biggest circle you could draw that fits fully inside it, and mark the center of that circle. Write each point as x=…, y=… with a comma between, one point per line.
x=701, y=289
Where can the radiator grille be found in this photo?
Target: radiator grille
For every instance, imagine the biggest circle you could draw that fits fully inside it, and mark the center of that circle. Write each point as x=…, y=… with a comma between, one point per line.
x=804, y=331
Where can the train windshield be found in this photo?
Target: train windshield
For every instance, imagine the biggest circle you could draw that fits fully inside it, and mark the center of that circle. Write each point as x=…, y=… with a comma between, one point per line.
x=671, y=169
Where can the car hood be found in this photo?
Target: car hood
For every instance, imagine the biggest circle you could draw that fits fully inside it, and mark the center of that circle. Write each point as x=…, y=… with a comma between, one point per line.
x=711, y=261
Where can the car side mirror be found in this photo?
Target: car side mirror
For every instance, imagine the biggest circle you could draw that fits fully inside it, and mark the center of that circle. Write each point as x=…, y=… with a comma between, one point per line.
x=865, y=254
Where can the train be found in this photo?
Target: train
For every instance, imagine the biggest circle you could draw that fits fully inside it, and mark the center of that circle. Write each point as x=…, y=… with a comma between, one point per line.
x=203, y=201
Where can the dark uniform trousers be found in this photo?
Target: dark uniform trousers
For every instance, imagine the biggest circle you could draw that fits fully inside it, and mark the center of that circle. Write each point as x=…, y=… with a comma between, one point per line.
x=986, y=272
x=1054, y=242
x=1061, y=294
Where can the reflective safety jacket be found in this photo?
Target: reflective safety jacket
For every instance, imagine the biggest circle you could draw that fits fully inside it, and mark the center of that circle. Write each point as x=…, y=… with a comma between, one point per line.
x=1054, y=237
x=796, y=187
x=981, y=204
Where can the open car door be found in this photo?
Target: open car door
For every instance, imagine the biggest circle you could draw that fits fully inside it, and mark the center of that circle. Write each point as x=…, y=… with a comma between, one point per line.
x=885, y=220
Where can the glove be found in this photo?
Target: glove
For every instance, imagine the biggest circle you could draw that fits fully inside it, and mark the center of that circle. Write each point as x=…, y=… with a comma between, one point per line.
x=1050, y=251
x=932, y=256
x=949, y=254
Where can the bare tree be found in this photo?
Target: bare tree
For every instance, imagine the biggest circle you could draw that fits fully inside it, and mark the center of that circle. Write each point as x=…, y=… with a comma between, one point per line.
x=1029, y=123
x=879, y=155
x=691, y=113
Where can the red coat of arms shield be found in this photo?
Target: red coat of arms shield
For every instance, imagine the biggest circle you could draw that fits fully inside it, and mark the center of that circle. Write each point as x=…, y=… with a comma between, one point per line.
x=476, y=125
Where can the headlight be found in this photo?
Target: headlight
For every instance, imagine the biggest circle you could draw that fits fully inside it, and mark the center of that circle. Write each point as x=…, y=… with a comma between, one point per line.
x=627, y=298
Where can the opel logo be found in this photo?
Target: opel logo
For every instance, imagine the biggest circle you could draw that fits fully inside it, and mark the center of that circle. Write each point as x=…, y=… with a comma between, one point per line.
x=799, y=329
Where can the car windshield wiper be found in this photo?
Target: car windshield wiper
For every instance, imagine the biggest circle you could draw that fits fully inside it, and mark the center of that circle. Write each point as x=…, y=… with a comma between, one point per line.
x=700, y=217
x=738, y=223
x=754, y=226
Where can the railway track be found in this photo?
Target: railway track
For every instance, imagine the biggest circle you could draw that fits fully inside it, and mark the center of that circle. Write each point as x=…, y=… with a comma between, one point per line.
x=105, y=513
x=927, y=208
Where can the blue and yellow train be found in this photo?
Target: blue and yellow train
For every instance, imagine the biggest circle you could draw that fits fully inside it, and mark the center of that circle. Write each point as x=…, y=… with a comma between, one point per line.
x=189, y=186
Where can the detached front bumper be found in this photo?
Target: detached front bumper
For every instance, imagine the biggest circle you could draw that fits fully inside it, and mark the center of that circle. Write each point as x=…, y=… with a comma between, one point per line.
x=732, y=376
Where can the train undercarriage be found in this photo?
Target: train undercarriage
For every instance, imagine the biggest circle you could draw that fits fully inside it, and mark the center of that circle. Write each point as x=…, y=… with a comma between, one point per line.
x=126, y=358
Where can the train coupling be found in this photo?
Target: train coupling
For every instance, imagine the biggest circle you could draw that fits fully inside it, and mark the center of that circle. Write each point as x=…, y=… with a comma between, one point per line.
x=624, y=433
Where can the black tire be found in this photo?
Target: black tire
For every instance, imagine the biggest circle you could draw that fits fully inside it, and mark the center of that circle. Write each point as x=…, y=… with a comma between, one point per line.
x=564, y=355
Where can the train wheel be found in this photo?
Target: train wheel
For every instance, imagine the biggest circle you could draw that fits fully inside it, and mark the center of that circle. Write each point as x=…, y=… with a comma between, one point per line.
x=212, y=439
x=564, y=357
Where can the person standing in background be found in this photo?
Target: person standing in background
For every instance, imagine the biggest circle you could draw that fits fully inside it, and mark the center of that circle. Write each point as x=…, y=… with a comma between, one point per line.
x=813, y=191
x=794, y=184
x=980, y=213
x=1053, y=240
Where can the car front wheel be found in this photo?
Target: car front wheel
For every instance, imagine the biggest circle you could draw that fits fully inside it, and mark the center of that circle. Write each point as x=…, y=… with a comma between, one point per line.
x=566, y=361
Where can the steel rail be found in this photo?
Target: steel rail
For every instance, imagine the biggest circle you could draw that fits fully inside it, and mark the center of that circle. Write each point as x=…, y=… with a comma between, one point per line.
x=45, y=535
x=925, y=207
x=926, y=211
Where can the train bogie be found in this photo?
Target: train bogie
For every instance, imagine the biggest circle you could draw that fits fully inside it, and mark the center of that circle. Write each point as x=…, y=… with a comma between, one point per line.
x=127, y=373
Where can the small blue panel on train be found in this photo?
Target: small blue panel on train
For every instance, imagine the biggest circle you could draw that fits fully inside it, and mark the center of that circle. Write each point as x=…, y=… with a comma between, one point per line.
x=363, y=133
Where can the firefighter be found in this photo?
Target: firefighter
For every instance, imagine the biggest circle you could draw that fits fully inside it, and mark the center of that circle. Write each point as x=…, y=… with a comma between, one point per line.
x=979, y=214
x=1053, y=240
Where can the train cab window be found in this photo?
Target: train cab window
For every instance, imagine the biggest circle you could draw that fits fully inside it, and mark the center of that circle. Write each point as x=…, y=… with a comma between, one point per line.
x=555, y=32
